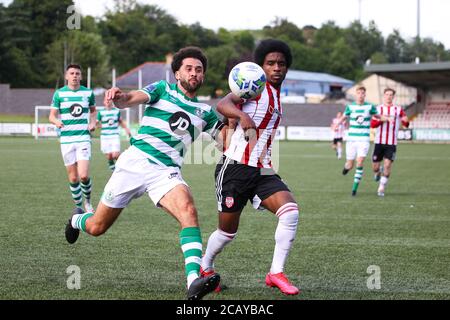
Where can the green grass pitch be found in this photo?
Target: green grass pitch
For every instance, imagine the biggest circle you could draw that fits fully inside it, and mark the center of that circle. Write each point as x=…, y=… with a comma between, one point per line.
x=406, y=234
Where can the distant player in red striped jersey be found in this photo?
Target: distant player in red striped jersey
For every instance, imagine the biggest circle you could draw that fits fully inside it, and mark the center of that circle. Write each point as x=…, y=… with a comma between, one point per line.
x=338, y=134
x=245, y=172
x=386, y=138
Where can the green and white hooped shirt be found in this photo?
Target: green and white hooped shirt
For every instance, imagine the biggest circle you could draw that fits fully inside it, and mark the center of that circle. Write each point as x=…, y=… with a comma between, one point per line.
x=110, y=122
x=359, y=120
x=73, y=107
x=171, y=122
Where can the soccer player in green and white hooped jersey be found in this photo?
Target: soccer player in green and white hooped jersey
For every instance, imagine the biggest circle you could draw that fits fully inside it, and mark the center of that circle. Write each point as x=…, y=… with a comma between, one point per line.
x=172, y=120
x=76, y=106
x=357, y=145
x=109, y=120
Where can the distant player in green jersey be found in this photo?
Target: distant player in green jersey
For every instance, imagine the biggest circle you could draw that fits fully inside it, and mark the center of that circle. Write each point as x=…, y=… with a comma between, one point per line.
x=357, y=145
x=109, y=120
x=75, y=105
x=172, y=120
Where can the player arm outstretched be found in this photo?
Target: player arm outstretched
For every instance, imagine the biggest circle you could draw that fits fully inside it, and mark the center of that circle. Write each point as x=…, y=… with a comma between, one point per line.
x=227, y=107
x=124, y=99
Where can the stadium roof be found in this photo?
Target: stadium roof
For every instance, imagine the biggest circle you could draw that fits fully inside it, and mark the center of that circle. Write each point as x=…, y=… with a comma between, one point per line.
x=420, y=75
x=316, y=77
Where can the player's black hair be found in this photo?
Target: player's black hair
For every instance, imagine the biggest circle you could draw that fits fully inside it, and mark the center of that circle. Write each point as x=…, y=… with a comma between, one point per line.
x=188, y=52
x=73, y=65
x=272, y=45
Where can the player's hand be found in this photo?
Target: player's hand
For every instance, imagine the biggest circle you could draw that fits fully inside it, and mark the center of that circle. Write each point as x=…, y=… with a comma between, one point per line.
x=248, y=125
x=112, y=95
x=246, y=122
x=91, y=127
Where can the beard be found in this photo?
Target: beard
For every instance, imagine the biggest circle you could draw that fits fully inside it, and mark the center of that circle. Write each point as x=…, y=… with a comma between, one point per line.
x=188, y=87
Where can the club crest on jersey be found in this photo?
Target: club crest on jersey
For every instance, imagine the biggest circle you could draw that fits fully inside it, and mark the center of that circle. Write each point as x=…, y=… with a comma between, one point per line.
x=229, y=202
x=199, y=112
x=76, y=110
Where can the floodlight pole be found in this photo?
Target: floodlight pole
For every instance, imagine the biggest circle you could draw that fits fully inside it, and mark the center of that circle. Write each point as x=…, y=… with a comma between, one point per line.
x=418, y=19
x=359, y=11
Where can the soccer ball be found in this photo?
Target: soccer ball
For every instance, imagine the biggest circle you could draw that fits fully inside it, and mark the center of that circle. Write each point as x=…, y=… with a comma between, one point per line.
x=247, y=80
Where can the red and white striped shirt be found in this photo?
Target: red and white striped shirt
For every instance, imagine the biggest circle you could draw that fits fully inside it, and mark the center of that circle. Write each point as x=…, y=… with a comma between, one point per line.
x=266, y=112
x=387, y=131
x=338, y=129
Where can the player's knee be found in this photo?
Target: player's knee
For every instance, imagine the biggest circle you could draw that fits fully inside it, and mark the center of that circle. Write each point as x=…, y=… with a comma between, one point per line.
x=288, y=214
x=84, y=178
x=189, y=214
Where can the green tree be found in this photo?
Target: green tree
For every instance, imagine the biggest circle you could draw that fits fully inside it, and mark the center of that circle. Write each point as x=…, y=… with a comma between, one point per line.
x=395, y=47
x=86, y=49
x=326, y=36
x=364, y=41
x=220, y=60
x=141, y=33
x=341, y=59
x=307, y=58
x=15, y=55
x=427, y=50
x=378, y=58
x=282, y=27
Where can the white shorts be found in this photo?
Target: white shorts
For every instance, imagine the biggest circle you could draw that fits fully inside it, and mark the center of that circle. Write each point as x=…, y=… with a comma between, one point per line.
x=134, y=175
x=356, y=149
x=73, y=152
x=110, y=144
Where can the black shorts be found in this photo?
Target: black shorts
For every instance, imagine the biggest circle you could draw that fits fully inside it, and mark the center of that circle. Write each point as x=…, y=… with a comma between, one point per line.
x=383, y=151
x=237, y=183
x=336, y=140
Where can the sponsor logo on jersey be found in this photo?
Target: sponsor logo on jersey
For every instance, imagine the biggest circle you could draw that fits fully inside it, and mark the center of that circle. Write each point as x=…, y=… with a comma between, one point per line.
x=179, y=122
x=76, y=110
x=360, y=119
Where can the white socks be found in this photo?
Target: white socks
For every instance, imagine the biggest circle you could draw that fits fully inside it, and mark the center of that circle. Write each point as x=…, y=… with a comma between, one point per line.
x=383, y=181
x=216, y=242
x=284, y=235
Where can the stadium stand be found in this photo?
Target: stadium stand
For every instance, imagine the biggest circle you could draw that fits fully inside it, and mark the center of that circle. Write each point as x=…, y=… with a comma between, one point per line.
x=435, y=116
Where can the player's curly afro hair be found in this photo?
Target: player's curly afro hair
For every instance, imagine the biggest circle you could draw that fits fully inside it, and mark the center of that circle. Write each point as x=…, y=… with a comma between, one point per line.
x=272, y=45
x=188, y=52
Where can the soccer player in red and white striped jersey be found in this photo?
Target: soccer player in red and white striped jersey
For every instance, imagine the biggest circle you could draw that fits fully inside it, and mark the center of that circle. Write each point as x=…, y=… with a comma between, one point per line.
x=246, y=173
x=338, y=134
x=386, y=138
